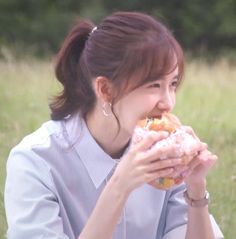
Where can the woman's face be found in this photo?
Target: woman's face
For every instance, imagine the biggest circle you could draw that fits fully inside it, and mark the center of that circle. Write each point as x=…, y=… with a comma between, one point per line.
x=149, y=100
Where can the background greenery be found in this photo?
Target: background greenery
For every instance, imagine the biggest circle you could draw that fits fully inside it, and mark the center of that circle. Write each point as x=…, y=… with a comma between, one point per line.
x=40, y=26
x=206, y=101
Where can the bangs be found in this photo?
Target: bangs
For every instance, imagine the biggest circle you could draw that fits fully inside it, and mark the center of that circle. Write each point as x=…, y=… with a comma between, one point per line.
x=162, y=59
x=151, y=60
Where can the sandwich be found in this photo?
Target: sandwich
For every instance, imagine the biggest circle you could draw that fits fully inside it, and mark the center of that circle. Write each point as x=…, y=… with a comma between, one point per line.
x=178, y=136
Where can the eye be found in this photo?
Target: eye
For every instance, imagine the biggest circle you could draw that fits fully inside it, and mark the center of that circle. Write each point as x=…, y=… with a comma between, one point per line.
x=174, y=83
x=155, y=85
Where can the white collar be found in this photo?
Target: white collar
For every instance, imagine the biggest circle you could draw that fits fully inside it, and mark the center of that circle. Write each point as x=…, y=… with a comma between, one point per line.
x=97, y=162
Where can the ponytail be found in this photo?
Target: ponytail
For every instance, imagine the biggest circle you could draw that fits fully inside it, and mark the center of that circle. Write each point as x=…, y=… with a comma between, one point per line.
x=76, y=86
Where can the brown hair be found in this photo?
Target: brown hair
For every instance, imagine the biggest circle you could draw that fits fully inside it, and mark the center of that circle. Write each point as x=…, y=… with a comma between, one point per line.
x=124, y=45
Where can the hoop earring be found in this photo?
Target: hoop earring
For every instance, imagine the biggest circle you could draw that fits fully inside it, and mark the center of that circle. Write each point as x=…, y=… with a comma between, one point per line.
x=106, y=109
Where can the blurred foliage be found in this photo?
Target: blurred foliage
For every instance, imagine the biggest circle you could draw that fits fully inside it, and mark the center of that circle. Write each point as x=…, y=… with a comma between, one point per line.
x=40, y=26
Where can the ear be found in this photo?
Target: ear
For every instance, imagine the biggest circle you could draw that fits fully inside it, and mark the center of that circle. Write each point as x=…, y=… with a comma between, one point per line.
x=103, y=89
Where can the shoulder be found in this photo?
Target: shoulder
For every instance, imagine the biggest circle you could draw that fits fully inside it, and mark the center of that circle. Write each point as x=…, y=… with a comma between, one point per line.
x=27, y=163
x=27, y=151
x=47, y=146
x=48, y=130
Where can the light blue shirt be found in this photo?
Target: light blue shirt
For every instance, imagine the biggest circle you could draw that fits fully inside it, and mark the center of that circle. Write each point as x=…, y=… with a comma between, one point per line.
x=55, y=177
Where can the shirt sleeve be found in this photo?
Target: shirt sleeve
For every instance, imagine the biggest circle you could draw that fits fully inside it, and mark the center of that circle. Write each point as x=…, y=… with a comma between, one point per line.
x=174, y=212
x=180, y=232
x=174, y=216
x=31, y=206
x=176, y=209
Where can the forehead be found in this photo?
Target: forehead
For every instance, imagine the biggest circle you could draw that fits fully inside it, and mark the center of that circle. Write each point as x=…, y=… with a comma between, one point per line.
x=154, y=75
x=158, y=77
x=158, y=66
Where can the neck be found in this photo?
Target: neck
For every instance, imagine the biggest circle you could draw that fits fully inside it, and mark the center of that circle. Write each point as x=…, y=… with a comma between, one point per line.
x=105, y=132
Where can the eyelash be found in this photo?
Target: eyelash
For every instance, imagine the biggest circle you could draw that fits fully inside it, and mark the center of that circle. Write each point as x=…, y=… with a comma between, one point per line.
x=156, y=85
x=174, y=84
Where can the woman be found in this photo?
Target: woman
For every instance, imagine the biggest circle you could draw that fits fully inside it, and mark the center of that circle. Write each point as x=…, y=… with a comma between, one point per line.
x=77, y=176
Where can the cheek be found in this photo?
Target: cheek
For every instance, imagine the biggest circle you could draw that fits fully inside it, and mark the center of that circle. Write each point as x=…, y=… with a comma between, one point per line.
x=149, y=105
x=129, y=112
x=150, y=101
x=173, y=98
x=143, y=106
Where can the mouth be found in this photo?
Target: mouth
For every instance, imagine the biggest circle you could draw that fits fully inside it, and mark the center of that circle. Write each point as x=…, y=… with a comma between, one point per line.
x=158, y=116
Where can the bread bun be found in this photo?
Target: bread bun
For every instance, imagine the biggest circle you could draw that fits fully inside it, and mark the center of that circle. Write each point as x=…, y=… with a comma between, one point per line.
x=168, y=122
x=178, y=135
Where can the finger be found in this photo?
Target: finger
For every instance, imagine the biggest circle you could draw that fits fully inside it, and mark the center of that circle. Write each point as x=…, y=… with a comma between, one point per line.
x=185, y=174
x=190, y=130
x=210, y=160
x=164, y=152
x=161, y=164
x=178, y=170
x=205, y=165
x=158, y=174
x=196, y=148
x=202, y=156
x=194, y=163
x=150, y=139
x=206, y=155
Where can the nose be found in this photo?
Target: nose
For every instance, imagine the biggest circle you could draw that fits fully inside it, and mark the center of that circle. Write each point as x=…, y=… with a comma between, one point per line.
x=166, y=102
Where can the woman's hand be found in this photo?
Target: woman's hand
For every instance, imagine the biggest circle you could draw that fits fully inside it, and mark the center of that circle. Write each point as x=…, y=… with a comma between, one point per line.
x=199, y=167
x=142, y=163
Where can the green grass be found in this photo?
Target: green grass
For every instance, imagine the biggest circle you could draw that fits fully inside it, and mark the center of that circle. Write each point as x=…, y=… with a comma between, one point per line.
x=25, y=88
x=206, y=101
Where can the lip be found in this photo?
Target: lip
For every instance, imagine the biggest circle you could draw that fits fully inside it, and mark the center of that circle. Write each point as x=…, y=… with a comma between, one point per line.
x=155, y=116
x=160, y=114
